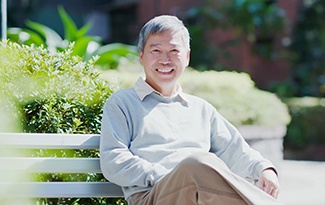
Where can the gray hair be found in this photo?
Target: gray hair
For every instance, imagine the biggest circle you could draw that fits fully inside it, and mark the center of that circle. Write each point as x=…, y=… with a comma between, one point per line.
x=162, y=23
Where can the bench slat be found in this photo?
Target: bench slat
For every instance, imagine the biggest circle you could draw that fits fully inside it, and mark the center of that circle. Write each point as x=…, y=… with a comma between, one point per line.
x=60, y=189
x=51, y=165
x=15, y=169
x=49, y=141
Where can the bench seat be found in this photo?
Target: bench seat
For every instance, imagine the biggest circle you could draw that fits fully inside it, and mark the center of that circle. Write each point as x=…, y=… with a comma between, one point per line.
x=14, y=169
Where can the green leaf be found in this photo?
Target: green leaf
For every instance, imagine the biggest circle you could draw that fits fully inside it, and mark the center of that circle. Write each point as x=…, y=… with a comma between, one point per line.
x=52, y=38
x=25, y=36
x=70, y=28
x=108, y=59
x=111, y=53
x=118, y=49
x=34, y=38
x=81, y=45
x=83, y=30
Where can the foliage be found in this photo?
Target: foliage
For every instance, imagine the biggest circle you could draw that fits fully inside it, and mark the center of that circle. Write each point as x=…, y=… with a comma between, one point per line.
x=56, y=93
x=86, y=46
x=235, y=97
x=8, y=120
x=307, y=125
x=308, y=50
x=233, y=94
x=256, y=18
x=258, y=21
x=62, y=94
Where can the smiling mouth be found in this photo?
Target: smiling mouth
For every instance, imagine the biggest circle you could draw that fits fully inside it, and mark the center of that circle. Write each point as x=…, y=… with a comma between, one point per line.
x=165, y=71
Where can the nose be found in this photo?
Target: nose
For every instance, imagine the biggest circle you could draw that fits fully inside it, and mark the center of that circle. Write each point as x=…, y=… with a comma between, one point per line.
x=164, y=58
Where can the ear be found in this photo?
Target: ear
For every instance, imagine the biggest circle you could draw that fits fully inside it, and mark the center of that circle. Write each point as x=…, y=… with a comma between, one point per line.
x=188, y=56
x=141, y=57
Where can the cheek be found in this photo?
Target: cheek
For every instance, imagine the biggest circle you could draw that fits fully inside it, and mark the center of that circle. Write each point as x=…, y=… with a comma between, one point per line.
x=183, y=59
x=148, y=58
x=148, y=62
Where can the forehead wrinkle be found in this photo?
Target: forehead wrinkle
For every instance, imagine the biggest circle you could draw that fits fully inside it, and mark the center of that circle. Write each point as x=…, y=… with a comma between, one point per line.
x=159, y=44
x=154, y=45
x=171, y=42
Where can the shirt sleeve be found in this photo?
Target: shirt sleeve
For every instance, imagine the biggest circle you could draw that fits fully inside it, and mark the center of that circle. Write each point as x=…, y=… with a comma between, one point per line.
x=228, y=144
x=118, y=164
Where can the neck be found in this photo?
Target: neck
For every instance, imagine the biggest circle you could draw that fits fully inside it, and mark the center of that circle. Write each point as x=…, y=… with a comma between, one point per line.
x=164, y=88
x=167, y=91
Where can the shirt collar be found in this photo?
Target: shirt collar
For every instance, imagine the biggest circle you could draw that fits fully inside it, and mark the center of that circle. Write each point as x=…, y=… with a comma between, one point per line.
x=143, y=89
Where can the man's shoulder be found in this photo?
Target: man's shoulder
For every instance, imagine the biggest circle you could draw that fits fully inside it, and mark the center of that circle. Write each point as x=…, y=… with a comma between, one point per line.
x=123, y=95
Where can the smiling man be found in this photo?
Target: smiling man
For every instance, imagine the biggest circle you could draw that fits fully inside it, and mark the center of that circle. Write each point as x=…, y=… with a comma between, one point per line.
x=164, y=59
x=166, y=147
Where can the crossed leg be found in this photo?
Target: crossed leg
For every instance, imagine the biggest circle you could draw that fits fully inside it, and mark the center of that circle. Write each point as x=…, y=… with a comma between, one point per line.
x=202, y=179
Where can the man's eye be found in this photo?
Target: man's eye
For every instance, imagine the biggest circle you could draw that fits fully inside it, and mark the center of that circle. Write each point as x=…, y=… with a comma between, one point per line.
x=175, y=51
x=156, y=50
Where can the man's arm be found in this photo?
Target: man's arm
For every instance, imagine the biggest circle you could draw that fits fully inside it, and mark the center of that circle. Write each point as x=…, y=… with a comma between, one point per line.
x=230, y=146
x=118, y=164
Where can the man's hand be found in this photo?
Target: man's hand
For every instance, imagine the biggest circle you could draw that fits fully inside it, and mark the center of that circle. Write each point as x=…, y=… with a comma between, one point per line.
x=269, y=182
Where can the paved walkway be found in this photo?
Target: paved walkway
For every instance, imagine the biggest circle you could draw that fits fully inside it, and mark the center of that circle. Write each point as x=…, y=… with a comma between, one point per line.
x=302, y=182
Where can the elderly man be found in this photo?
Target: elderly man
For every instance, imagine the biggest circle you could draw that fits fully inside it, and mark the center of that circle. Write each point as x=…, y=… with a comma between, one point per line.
x=166, y=147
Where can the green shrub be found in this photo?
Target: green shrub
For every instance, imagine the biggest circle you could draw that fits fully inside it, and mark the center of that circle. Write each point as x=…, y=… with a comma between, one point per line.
x=86, y=46
x=307, y=52
x=53, y=93
x=233, y=94
x=58, y=93
x=235, y=97
x=257, y=21
x=307, y=125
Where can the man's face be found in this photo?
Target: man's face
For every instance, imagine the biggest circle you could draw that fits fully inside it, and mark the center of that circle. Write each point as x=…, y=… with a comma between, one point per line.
x=164, y=59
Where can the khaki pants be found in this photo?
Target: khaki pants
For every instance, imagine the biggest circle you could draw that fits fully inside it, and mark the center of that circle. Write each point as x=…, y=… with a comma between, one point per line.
x=203, y=179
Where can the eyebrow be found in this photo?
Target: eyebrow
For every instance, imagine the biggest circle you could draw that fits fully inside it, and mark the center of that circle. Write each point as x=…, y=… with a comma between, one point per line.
x=154, y=45
x=158, y=44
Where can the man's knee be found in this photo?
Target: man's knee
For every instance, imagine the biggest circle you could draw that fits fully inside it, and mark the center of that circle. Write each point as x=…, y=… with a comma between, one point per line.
x=199, y=161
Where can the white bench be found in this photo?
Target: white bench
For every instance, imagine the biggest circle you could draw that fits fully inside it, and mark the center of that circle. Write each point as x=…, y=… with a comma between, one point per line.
x=13, y=167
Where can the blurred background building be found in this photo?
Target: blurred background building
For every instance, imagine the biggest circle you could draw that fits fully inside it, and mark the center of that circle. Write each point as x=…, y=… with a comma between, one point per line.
x=120, y=21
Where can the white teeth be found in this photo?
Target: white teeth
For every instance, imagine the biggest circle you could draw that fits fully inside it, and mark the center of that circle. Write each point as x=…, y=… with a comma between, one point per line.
x=164, y=71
